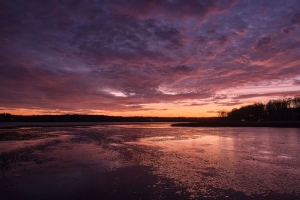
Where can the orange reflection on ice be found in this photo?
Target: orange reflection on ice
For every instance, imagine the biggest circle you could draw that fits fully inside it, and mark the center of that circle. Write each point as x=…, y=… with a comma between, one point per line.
x=192, y=160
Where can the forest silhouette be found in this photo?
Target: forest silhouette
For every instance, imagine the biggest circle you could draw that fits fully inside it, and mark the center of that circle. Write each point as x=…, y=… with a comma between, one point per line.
x=287, y=109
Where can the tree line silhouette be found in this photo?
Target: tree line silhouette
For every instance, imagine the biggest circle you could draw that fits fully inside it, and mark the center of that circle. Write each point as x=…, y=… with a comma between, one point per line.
x=287, y=109
x=7, y=117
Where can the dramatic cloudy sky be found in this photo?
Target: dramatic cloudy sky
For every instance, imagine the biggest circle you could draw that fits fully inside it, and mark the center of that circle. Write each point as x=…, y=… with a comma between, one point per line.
x=146, y=57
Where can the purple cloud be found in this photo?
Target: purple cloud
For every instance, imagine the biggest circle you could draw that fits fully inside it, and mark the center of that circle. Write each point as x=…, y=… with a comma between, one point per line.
x=115, y=56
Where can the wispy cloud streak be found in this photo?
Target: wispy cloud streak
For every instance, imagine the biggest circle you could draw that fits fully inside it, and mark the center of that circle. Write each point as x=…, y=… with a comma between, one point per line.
x=118, y=56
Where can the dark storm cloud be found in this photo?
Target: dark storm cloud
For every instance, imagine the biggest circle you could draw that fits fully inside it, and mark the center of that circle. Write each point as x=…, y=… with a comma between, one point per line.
x=127, y=40
x=174, y=9
x=197, y=104
x=224, y=39
x=119, y=55
x=296, y=18
x=288, y=29
x=182, y=70
x=234, y=103
x=268, y=94
x=263, y=42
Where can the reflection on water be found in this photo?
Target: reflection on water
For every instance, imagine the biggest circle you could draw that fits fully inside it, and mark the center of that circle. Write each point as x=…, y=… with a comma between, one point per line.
x=249, y=160
x=197, y=162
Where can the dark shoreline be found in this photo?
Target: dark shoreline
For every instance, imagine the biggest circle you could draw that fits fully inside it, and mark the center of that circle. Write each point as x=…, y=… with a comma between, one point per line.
x=14, y=125
x=275, y=124
x=17, y=125
x=204, y=123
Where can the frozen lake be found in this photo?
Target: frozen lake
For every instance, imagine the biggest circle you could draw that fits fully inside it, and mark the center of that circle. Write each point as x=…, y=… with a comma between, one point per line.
x=149, y=161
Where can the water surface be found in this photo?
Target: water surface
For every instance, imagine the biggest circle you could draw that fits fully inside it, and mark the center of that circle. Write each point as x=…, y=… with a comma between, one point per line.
x=151, y=161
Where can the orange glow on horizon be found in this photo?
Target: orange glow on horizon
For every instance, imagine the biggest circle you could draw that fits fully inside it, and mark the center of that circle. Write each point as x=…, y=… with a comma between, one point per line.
x=177, y=109
x=187, y=111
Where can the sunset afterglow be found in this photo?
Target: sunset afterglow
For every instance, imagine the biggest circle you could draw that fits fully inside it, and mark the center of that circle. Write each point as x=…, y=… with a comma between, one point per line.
x=146, y=58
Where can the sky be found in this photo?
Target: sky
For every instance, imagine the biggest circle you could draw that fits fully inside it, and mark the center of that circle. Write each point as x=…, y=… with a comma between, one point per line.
x=188, y=58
